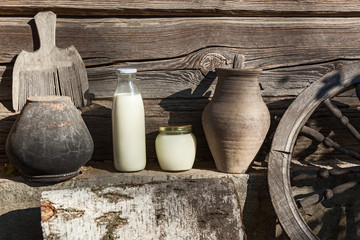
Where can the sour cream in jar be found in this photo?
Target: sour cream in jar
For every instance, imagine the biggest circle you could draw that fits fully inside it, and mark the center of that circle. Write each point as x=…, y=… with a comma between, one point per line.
x=175, y=148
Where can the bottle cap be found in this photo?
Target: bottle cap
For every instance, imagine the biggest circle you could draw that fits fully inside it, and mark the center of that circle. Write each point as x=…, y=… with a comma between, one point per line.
x=126, y=70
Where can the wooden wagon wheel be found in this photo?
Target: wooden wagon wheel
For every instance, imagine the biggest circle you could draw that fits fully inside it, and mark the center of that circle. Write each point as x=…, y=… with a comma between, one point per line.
x=291, y=124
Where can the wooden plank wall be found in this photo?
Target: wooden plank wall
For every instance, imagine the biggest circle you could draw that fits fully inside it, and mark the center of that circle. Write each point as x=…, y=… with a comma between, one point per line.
x=176, y=45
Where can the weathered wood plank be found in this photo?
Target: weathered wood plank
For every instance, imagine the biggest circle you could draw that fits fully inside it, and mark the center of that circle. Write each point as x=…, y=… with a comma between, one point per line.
x=157, y=113
x=181, y=209
x=287, y=81
x=265, y=42
x=49, y=70
x=189, y=81
x=188, y=111
x=182, y=8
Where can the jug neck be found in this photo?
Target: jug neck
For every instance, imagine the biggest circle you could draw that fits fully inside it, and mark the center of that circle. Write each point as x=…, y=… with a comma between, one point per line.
x=237, y=84
x=126, y=84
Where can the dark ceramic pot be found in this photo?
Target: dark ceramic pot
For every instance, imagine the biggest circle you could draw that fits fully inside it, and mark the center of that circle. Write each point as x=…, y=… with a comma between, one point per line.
x=236, y=120
x=49, y=140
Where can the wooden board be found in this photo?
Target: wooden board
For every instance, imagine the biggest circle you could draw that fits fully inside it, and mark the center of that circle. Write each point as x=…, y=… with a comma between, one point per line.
x=183, y=7
x=181, y=209
x=175, y=54
x=49, y=70
x=190, y=83
x=265, y=42
x=294, y=53
x=188, y=111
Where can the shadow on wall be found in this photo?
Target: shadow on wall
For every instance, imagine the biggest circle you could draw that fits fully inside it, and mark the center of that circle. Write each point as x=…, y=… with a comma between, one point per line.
x=259, y=217
x=6, y=78
x=21, y=224
x=98, y=120
x=6, y=101
x=6, y=92
x=6, y=86
x=5, y=126
x=186, y=106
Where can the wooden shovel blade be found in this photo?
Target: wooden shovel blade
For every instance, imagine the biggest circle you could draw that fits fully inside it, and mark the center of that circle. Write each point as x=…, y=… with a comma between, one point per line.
x=49, y=70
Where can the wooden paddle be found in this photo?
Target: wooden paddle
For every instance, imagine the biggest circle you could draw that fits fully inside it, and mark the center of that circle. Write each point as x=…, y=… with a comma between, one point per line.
x=49, y=70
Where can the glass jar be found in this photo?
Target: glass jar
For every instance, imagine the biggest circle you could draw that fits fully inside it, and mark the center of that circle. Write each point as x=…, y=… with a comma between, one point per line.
x=175, y=148
x=128, y=123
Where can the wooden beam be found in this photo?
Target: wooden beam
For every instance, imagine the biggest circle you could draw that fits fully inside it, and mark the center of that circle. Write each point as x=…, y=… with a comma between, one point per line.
x=265, y=42
x=175, y=74
x=182, y=8
x=188, y=81
x=162, y=112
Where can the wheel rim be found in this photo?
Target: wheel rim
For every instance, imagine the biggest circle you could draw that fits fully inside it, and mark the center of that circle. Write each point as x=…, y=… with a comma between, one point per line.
x=284, y=140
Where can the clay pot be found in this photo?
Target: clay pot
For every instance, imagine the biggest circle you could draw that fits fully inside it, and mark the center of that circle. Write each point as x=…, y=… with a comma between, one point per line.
x=49, y=140
x=236, y=120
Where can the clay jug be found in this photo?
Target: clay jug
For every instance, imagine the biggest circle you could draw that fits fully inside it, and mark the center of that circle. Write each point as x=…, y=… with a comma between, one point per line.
x=236, y=120
x=49, y=140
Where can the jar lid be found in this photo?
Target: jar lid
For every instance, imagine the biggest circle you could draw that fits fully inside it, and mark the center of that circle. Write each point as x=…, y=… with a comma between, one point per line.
x=126, y=70
x=176, y=129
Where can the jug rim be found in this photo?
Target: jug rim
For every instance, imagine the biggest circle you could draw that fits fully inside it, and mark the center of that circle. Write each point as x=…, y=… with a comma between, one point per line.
x=48, y=98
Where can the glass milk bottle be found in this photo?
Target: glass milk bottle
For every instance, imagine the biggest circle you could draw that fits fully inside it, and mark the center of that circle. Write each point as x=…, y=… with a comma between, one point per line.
x=128, y=124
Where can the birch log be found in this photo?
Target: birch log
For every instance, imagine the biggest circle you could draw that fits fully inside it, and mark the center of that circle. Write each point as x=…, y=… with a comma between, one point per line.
x=181, y=209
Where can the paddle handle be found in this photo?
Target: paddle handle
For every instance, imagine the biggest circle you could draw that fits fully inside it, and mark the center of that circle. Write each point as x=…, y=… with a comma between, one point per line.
x=46, y=26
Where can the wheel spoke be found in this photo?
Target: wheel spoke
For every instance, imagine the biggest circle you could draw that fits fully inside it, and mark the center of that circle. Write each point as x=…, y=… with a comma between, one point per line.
x=357, y=90
x=343, y=119
x=327, y=193
x=328, y=142
x=309, y=174
x=342, y=171
x=324, y=173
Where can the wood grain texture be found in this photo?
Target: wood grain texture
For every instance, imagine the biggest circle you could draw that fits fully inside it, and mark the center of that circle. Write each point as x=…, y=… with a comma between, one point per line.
x=182, y=7
x=265, y=42
x=181, y=101
x=49, y=70
x=157, y=113
x=175, y=74
x=189, y=83
x=174, y=56
x=180, y=209
x=160, y=112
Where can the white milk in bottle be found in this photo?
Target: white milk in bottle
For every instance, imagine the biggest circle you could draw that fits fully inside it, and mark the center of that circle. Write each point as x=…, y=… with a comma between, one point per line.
x=128, y=124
